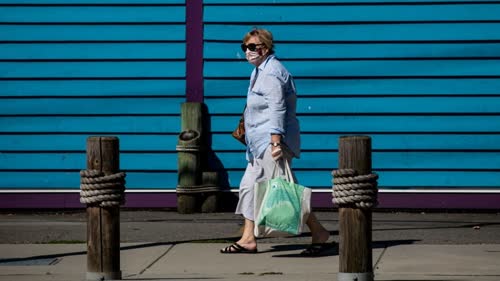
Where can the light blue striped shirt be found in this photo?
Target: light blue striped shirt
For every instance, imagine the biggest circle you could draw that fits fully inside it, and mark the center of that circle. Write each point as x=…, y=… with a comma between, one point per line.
x=271, y=109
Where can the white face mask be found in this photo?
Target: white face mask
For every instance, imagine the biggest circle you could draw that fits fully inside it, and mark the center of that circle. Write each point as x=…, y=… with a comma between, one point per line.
x=253, y=57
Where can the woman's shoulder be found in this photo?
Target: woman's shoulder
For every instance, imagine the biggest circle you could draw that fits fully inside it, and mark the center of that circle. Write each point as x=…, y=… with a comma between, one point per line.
x=275, y=67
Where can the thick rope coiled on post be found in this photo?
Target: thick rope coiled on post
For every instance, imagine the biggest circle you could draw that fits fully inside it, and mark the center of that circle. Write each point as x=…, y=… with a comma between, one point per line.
x=100, y=189
x=349, y=188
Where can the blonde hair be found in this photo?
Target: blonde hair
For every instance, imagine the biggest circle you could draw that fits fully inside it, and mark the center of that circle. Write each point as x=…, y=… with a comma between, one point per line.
x=264, y=35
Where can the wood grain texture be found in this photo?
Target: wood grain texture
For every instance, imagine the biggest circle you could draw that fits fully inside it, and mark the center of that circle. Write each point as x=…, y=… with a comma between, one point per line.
x=103, y=223
x=189, y=162
x=355, y=237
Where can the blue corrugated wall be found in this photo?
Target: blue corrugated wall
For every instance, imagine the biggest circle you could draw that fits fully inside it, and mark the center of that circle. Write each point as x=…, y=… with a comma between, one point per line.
x=70, y=69
x=422, y=78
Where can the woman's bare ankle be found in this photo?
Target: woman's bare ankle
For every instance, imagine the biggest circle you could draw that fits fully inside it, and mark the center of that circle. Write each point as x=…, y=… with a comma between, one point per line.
x=247, y=244
x=320, y=236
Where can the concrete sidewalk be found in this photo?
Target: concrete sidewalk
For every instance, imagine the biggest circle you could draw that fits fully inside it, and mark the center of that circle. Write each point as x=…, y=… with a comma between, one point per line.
x=200, y=261
x=164, y=245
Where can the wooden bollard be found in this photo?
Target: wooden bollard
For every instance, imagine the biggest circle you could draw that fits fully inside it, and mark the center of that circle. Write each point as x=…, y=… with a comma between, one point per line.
x=189, y=172
x=189, y=158
x=103, y=223
x=197, y=188
x=355, y=224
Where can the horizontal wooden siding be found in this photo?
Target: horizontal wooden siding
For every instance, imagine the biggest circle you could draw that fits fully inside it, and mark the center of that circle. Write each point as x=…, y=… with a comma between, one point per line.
x=421, y=78
x=71, y=69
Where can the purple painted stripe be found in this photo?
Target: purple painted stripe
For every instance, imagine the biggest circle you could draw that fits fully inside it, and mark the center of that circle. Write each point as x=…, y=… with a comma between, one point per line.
x=426, y=200
x=440, y=200
x=194, y=50
x=485, y=201
x=72, y=200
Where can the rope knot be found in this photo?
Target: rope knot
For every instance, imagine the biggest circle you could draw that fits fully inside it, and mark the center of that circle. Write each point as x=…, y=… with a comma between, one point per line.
x=351, y=189
x=101, y=189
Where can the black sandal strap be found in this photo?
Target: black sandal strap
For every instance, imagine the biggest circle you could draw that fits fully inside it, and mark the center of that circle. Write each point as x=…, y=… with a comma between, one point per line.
x=229, y=249
x=238, y=247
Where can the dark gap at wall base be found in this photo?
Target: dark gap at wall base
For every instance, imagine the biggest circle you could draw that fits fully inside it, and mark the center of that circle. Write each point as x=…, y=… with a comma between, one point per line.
x=152, y=200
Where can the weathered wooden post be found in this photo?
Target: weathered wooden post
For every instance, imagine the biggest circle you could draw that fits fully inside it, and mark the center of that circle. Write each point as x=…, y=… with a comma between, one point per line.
x=189, y=172
x=355, y=216
x=197, y=190
x=189, y=158
x=106, y=184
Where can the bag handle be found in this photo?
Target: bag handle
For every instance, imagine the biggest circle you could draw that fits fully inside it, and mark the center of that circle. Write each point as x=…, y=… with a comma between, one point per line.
x=275, y=169
x=288, y=171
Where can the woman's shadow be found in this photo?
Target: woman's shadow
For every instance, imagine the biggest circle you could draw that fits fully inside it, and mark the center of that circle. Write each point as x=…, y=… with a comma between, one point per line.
x=333, y=249
x=227, y=200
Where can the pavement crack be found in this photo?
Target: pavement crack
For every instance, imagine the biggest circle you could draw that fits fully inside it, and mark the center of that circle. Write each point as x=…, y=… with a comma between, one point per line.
x=379, y=258
x=157, y=259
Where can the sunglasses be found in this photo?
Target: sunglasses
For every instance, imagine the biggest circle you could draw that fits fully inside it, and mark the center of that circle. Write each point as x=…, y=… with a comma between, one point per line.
x=252, y=47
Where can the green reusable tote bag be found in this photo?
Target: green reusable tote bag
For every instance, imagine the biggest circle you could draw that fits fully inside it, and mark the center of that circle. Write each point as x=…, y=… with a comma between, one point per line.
x=281, y=206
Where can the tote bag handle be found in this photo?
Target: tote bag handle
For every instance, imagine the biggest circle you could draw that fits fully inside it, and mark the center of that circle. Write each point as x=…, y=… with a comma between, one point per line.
x=288, y=171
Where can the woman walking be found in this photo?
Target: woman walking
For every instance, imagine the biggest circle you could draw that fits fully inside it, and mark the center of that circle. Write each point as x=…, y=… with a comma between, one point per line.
x=272, y=134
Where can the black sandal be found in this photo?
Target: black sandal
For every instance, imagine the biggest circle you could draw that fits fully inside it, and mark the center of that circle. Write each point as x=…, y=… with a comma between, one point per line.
x=237, y=249
x=317, y=249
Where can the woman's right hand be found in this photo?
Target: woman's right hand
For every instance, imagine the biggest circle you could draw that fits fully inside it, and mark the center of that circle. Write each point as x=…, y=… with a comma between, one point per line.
x=276, y=152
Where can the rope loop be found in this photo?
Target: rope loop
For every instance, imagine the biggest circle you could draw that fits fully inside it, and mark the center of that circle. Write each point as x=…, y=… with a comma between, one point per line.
x=101, y=189
x=196, y=189
x=351, y=189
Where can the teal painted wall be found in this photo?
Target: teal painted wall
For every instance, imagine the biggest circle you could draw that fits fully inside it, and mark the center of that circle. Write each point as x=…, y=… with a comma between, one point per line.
x=71, y=69
x=421, y=78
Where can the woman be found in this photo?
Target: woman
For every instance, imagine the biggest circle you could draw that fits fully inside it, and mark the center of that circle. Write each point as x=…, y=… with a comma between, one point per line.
x=272, y=133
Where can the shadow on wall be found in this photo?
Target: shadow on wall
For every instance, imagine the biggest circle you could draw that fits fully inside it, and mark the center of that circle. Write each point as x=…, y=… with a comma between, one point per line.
x=227, y=200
